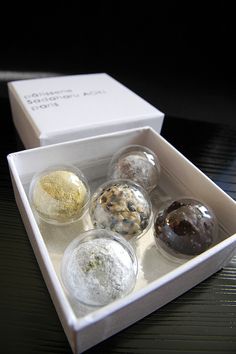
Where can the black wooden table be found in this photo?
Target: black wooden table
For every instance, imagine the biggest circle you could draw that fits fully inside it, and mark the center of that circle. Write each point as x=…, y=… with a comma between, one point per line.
x=201, y=321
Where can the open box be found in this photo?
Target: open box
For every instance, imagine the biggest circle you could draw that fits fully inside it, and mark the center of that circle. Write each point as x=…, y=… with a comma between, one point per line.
x=159, y=280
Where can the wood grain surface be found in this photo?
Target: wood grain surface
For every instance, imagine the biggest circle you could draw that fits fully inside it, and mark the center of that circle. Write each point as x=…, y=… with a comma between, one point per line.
x=201, y=321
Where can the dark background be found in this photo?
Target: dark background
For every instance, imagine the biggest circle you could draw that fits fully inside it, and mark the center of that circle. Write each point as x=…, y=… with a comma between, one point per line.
x=178, y=56
x=181, y=58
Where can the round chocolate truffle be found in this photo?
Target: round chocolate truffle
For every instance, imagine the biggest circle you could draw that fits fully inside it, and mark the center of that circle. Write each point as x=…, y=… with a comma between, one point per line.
x=137, y=163
x=121, y=206
x=99, y=267
x=60, y=194
x=186, y=228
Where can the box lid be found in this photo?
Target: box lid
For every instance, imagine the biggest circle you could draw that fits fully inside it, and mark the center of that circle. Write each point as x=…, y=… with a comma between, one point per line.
x=64, y=108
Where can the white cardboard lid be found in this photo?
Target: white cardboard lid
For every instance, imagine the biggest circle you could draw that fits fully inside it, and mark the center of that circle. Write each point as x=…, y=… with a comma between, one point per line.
x=58, y=108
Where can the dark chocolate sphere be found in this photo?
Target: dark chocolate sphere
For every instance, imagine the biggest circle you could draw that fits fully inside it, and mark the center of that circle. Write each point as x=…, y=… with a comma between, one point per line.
x=185, y=228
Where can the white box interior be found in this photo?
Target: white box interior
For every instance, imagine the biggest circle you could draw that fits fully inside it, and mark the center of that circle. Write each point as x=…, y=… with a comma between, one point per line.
x=178, y=178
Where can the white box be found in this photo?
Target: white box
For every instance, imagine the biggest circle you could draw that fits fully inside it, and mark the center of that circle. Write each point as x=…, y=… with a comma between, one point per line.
x=159, y=280
x=52, y=110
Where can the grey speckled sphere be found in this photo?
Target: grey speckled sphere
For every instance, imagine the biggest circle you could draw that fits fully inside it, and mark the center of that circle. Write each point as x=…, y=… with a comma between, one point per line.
x=99, y=267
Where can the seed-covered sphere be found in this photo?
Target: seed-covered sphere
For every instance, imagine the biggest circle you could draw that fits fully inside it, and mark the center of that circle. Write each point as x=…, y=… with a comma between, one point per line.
x=121, y=206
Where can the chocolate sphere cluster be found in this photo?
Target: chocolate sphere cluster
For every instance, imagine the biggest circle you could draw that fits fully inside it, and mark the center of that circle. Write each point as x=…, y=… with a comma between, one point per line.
x=100, y=265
